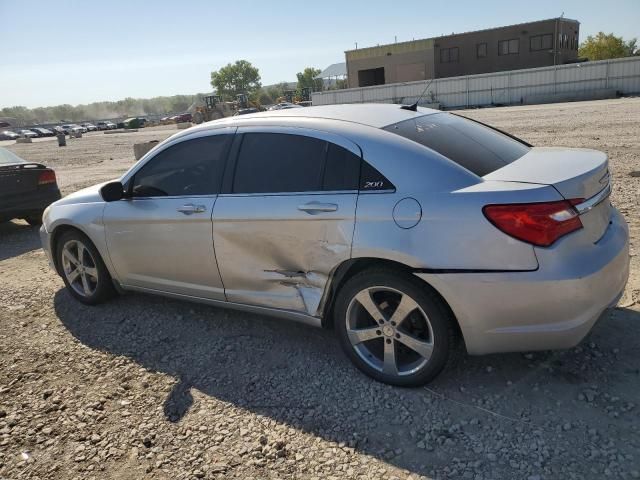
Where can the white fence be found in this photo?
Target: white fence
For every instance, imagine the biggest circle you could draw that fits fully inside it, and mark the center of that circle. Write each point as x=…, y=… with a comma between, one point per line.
x=585, y=80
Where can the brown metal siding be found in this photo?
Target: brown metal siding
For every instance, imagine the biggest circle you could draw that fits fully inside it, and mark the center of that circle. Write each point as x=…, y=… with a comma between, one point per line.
x=469, y=63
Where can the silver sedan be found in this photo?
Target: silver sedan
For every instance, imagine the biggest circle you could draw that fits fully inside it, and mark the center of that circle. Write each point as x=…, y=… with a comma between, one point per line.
x=407, y=230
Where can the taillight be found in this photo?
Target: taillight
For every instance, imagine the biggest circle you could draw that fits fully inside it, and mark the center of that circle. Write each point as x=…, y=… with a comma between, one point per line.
x=538, y=223
x=47, y=177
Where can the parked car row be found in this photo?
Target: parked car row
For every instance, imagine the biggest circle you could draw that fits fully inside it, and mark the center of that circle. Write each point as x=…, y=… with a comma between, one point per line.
x=29, y=133
x=106, y=126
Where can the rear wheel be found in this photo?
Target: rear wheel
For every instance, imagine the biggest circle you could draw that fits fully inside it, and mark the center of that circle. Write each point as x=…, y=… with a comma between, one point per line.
x=393, y=327
x=83, y=271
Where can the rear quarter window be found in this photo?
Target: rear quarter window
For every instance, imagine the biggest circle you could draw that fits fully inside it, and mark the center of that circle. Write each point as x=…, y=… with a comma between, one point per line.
x=474, y=146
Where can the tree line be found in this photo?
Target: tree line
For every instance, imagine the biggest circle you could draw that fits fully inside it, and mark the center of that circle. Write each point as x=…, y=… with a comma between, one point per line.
x=243, y=77
x=127, y=107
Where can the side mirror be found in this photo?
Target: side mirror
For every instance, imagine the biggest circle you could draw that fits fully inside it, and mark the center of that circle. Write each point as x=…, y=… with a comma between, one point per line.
x=112, y=192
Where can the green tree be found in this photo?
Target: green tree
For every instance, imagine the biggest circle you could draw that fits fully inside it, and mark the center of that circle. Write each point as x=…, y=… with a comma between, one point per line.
x=62, y=113
x=263, y=97
x=339, y=84
x=604, y=46
x=306, y=79
x=239, y=77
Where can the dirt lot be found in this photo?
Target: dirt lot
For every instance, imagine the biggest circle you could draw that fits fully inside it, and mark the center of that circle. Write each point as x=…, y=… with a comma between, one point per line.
x=144, y=387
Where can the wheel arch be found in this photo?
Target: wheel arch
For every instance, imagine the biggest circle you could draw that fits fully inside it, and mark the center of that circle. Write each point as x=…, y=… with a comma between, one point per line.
x=347, y=269
x=58, y=231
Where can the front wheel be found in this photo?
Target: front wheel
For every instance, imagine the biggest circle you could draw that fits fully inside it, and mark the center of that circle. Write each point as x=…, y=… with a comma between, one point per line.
x=83, y=271
x=394, y=328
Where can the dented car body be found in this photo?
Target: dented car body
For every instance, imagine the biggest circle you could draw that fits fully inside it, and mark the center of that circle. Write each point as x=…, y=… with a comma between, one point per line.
x=273, y=212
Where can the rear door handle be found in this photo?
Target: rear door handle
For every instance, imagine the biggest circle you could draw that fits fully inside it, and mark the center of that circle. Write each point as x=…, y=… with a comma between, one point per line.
x=313, y=208
x=190, y=209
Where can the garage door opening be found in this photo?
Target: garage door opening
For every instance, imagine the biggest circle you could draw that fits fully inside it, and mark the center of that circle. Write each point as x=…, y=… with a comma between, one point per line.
x=373, y=76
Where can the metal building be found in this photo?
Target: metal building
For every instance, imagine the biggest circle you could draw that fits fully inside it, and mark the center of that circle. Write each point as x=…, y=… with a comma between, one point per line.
x=525, y=45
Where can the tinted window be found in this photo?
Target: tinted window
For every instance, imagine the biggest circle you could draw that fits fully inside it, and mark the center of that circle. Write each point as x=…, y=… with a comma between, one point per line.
x=276, y=162
x=371, y=179
x=342, y=169
x=192, y=167
x=469, y=144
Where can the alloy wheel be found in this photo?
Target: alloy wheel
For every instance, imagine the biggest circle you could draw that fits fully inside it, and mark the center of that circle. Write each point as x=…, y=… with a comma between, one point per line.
x=79, y=268
x=389, y=330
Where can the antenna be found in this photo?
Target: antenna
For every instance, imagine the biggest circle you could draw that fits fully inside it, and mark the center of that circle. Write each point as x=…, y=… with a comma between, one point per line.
x=414, y=106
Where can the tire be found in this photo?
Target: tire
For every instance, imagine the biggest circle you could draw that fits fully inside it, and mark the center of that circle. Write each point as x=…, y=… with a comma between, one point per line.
x=34, y=220
x=91, y=284
x=379, y=346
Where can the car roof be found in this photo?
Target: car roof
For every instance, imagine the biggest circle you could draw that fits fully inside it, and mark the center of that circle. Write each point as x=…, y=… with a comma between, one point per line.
x=377, y=115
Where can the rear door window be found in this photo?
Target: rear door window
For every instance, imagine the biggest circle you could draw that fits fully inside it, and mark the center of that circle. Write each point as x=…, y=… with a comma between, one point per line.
x=471, y=145
x=279, y=163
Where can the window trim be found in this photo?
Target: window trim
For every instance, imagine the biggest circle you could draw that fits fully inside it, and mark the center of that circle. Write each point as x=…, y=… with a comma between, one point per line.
x=227, y=184
x=129, y=177
x=508, y=41
x=486, y=50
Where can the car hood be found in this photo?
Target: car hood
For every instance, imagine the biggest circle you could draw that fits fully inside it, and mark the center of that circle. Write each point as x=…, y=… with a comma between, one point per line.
x=86, y=195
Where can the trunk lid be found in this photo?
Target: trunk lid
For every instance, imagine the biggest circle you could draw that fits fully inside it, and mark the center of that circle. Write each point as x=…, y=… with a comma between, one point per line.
x=578, y=174
x=574, y=172
x=19, y=178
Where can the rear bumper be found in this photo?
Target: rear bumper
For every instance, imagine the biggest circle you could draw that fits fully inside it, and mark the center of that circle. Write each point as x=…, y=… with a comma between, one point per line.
x=18, y=206
x=553, y=307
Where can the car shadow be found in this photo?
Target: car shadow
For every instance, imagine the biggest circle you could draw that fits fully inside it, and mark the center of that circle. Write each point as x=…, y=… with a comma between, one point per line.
x=17, y=238
x=297, y=375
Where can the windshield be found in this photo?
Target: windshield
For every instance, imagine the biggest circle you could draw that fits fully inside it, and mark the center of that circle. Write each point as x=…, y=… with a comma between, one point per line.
x=7, y=157
x=474, y=146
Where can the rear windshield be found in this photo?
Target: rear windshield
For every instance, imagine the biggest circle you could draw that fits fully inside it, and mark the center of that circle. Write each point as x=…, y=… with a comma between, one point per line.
x=7, y=156
x=471, y=145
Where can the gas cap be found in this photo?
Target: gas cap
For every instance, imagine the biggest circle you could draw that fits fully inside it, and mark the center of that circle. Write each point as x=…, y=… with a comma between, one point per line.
x=407, y=213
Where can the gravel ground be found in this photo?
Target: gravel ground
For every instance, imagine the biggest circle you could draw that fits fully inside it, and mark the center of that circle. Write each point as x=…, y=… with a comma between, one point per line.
x=144, y=387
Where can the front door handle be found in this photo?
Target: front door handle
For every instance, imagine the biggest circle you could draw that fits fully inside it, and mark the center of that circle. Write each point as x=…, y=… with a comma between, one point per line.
x=313, y=208
x=190, y=209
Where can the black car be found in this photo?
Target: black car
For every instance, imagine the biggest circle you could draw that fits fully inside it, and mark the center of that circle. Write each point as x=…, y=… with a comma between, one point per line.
x=26, y=188
x=42, y=132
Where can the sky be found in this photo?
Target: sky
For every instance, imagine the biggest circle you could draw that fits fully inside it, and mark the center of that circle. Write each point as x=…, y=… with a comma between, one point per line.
x=75, y=52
